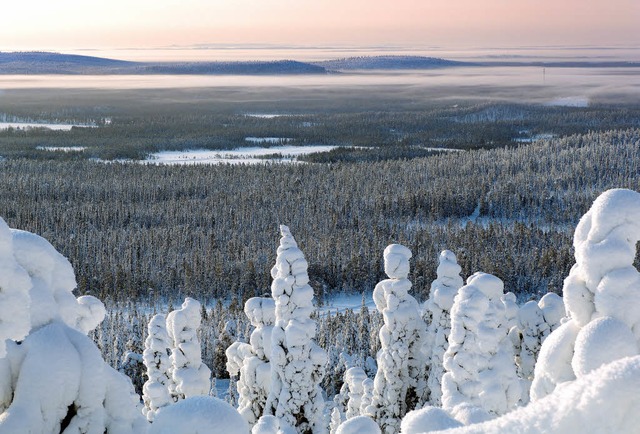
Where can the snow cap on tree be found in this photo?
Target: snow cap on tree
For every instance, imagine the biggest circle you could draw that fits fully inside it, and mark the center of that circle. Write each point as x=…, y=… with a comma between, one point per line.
x=601, y=294
x=400, y=381
x=155, y=391
x=479, y=360
x=354, y=377
x=553, y=309
x=15, y=284
x=190, y=376
x=56, y=374
x=445, y=287
x=437, y=313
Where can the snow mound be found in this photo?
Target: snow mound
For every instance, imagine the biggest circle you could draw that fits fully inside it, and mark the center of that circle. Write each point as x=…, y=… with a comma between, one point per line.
x=602, y=284
x=604, y=401
x=359, y=425
x=427, y=419
x=600, y=342
x=197, y=415
x=55, y=377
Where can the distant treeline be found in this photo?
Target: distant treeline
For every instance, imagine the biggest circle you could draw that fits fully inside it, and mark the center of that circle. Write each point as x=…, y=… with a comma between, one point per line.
x=148, y=232
x=134, y=132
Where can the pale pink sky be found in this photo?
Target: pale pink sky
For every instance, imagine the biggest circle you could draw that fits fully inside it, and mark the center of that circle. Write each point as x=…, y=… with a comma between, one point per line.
x=67, y=24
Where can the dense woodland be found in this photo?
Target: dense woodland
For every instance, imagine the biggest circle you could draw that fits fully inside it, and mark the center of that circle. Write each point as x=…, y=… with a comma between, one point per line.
x=138, y=232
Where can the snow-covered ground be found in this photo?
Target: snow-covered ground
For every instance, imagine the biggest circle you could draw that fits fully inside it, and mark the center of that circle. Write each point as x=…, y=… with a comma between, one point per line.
x=269, y=140
x=62, y=148
x=569, y=101
x=50, y=126
x=252, y=155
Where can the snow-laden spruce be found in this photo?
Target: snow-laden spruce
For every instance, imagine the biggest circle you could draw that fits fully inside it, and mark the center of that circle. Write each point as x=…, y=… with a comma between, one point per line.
x=55, y=377
x=601, y=295
x=354, y=378
x=251, y=361
x=479, y=362
x=438, y=310
x=400, y=380
x=156, y=358
x=533, y=328
x=297, y=362
x=190, y=377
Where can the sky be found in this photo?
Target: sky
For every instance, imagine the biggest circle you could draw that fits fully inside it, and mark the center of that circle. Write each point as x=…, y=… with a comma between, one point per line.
x=72, y=24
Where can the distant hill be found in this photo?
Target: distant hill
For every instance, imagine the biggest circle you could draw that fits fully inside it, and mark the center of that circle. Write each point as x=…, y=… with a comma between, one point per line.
x=277, y=67
x=55, y=63
x=388, y=63
x=33, y=63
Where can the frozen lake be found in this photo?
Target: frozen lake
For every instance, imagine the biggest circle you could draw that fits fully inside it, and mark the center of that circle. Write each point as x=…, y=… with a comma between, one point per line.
x=50, y=126
x=251, y=155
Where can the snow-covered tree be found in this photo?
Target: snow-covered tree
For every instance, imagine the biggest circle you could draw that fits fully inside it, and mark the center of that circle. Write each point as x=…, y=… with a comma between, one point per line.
x=190, y=376
x=400, y=380
x=479, y=362
x=601, y=295
x=438, y=310
x=251, y=361
x=54, y=379
x=354, y=377
x=297, y=363
x=367, y=395
x=132, y=363
x=156, y=358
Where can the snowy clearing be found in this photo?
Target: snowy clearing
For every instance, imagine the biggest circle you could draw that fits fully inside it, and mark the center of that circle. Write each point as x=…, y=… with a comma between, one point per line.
x=51, y=126
x=62, y=148
x=267, y=139
x=569, y=101
x=253, y=155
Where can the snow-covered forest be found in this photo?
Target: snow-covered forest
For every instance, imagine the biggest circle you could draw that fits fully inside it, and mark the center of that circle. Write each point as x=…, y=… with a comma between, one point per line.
x=469, y=358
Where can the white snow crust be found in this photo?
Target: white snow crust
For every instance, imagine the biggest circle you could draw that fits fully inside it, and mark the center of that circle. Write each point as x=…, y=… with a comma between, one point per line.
x=605, y=400
x=199, y=415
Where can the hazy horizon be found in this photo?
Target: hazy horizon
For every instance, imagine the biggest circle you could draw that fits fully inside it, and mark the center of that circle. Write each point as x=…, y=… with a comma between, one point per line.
x=73, y=25
x=310, y=53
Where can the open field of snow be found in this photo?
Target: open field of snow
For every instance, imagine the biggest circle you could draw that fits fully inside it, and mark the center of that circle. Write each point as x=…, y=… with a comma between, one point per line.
x=252, y=155
x=61, y=148
x=49, y=126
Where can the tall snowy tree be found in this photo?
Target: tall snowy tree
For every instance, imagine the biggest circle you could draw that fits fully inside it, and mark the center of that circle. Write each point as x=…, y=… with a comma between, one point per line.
x=479, y=362
x=400, y=379
x=190, y=376
x=156, y=358
x=251, y=361
x=297, y=363
x=438, y=310
x=601, y=295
